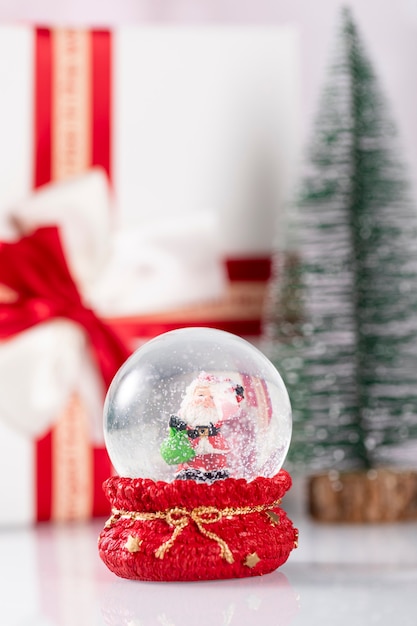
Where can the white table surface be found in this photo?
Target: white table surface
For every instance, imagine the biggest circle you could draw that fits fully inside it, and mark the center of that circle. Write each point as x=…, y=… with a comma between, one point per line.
x=51, y=575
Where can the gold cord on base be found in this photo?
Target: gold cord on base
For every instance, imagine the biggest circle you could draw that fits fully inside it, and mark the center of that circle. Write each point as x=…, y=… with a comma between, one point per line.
x=179, y=518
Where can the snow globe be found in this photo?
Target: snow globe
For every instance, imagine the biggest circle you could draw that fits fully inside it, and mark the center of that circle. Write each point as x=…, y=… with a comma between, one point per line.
x=197, y=424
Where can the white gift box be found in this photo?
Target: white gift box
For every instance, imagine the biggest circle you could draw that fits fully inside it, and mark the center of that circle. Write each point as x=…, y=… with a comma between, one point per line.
x=169, y=150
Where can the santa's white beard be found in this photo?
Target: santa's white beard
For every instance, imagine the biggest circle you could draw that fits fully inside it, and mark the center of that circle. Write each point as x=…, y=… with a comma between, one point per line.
x=198, y=415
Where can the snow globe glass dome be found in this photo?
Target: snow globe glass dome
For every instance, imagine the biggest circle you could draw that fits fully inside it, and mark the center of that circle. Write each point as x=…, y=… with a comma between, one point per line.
x=199, y=404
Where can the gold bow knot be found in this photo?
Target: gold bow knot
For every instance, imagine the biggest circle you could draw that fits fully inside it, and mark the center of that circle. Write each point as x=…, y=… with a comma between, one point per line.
x=179, y=519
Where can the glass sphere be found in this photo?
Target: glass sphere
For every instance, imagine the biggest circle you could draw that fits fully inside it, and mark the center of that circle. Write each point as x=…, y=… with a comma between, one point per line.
x=197, y=404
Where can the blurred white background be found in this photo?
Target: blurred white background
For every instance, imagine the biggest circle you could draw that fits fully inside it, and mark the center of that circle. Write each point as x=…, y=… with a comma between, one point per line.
x=388, y=27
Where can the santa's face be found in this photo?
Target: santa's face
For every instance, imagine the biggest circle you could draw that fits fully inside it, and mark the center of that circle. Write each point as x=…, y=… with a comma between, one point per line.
x=202, y=396
x=201, y=410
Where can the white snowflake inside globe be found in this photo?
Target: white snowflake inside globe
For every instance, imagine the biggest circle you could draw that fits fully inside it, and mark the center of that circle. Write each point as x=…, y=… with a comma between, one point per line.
x=197, y=404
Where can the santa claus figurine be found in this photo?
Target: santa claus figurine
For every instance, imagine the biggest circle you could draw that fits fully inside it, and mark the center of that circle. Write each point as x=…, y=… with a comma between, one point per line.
x=196, y=441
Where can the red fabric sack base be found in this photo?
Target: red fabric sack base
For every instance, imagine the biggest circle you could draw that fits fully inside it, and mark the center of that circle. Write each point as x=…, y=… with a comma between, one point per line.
x=183, y=531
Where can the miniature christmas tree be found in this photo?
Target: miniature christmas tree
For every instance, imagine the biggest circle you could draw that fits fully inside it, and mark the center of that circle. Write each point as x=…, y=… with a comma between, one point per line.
x=342, y=316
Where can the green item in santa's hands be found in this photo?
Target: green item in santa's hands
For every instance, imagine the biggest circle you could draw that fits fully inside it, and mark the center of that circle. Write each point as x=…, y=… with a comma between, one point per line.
x=176, y=448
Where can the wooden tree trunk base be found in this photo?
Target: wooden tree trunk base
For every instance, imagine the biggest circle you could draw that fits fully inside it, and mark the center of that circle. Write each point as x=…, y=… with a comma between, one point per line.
x=377, y=495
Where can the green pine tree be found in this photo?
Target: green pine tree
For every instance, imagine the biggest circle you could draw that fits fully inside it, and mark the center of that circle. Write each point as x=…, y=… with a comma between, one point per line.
x=342, y=314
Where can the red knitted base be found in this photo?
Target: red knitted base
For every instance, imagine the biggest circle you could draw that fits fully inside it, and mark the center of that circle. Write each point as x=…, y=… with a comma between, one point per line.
x=189, y=531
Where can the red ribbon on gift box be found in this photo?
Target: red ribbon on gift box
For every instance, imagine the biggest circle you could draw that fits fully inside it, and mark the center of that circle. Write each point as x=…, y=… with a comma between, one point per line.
x=72, y=132
x=35, y=268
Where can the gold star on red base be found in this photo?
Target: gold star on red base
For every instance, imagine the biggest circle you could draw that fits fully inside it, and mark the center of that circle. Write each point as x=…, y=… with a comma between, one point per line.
x=273, y=517
x=133, y=544
x=251, y=560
